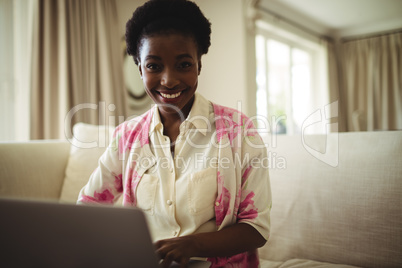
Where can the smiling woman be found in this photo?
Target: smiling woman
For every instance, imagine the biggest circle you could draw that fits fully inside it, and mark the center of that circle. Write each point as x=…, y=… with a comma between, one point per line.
x=169, y=66
x=214, y=206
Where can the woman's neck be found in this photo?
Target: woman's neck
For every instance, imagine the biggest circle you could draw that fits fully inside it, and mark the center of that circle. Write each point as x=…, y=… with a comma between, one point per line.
x=170, y=117
x=171, y=121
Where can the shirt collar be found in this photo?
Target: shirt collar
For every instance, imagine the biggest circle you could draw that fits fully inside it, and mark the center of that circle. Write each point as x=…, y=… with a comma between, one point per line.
x=198, y=116
x=156, y=122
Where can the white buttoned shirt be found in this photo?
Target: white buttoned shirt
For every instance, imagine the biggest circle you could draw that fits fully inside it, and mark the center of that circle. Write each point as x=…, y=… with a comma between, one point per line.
x=218, y=175
x=178, y=192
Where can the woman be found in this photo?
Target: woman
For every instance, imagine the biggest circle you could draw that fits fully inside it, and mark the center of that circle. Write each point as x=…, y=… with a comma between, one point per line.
x=195, y=168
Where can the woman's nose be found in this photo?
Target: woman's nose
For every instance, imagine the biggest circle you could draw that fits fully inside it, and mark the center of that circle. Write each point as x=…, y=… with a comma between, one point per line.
x=169, y=79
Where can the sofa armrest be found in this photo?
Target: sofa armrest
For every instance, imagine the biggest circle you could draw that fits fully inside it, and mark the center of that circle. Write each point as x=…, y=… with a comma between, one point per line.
x=33, y=170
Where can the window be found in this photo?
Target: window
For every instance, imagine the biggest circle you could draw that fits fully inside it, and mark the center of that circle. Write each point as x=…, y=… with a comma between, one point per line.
x=291, y=81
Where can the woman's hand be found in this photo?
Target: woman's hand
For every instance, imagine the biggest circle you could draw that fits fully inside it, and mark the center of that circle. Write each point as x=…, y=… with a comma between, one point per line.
x=230, y=241
x=178, y=249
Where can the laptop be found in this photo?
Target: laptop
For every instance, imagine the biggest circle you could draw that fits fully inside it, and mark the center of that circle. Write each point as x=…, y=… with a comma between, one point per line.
x=45, y=234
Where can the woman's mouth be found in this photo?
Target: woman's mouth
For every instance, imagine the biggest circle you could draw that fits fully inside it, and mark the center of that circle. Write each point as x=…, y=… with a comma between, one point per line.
x=170, y=96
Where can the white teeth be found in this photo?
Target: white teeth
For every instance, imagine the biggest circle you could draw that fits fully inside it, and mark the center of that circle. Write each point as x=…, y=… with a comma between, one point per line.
x=170, y=96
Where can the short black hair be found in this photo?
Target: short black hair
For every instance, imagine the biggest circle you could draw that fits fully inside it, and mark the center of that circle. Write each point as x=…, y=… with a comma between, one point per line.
x=167, y=16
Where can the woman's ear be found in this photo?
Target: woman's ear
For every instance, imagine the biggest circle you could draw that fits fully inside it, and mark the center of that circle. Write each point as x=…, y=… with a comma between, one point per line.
x=139, y=69
x=199, y=67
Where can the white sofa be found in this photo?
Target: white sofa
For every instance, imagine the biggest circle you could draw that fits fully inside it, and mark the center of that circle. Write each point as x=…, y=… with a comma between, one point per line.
x=337, y=199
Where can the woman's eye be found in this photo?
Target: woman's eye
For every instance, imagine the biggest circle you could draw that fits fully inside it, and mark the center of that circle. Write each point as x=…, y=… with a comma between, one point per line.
x=184, y=65
x=152, y=66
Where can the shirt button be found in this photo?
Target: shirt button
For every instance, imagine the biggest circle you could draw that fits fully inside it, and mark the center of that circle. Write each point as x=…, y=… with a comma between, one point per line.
x=169, y=202
x=217, y=204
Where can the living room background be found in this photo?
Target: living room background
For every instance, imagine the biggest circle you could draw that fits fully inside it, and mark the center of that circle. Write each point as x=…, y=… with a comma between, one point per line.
x=233, y=44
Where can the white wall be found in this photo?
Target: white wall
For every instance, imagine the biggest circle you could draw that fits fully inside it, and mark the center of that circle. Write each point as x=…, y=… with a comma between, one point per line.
x=223, y=77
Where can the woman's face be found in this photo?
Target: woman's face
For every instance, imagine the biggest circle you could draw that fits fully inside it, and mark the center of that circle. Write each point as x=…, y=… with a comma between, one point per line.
x=169, y=66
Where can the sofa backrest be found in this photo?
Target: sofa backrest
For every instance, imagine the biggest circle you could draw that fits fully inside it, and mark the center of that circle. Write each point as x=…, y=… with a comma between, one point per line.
x=52, y=169
x=337, y=198
x=33, y=170
x=87, y=145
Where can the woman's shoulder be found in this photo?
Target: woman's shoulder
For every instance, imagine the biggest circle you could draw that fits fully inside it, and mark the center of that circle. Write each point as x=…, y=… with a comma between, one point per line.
x=231, y=115
x=234, y=124
x=136, y=123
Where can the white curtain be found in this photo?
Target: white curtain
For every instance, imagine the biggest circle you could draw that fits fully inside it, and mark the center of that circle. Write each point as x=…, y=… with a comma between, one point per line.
x=14, y=65
x=334, y=82
x=77, y=69
x=371, y=94
x=7, y=85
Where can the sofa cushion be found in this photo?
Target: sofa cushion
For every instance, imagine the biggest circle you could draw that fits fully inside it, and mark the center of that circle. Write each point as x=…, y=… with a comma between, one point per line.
x=269, y=264
x=300, y=263
x=87, y=145
x=345, y=211
x=33, y=170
